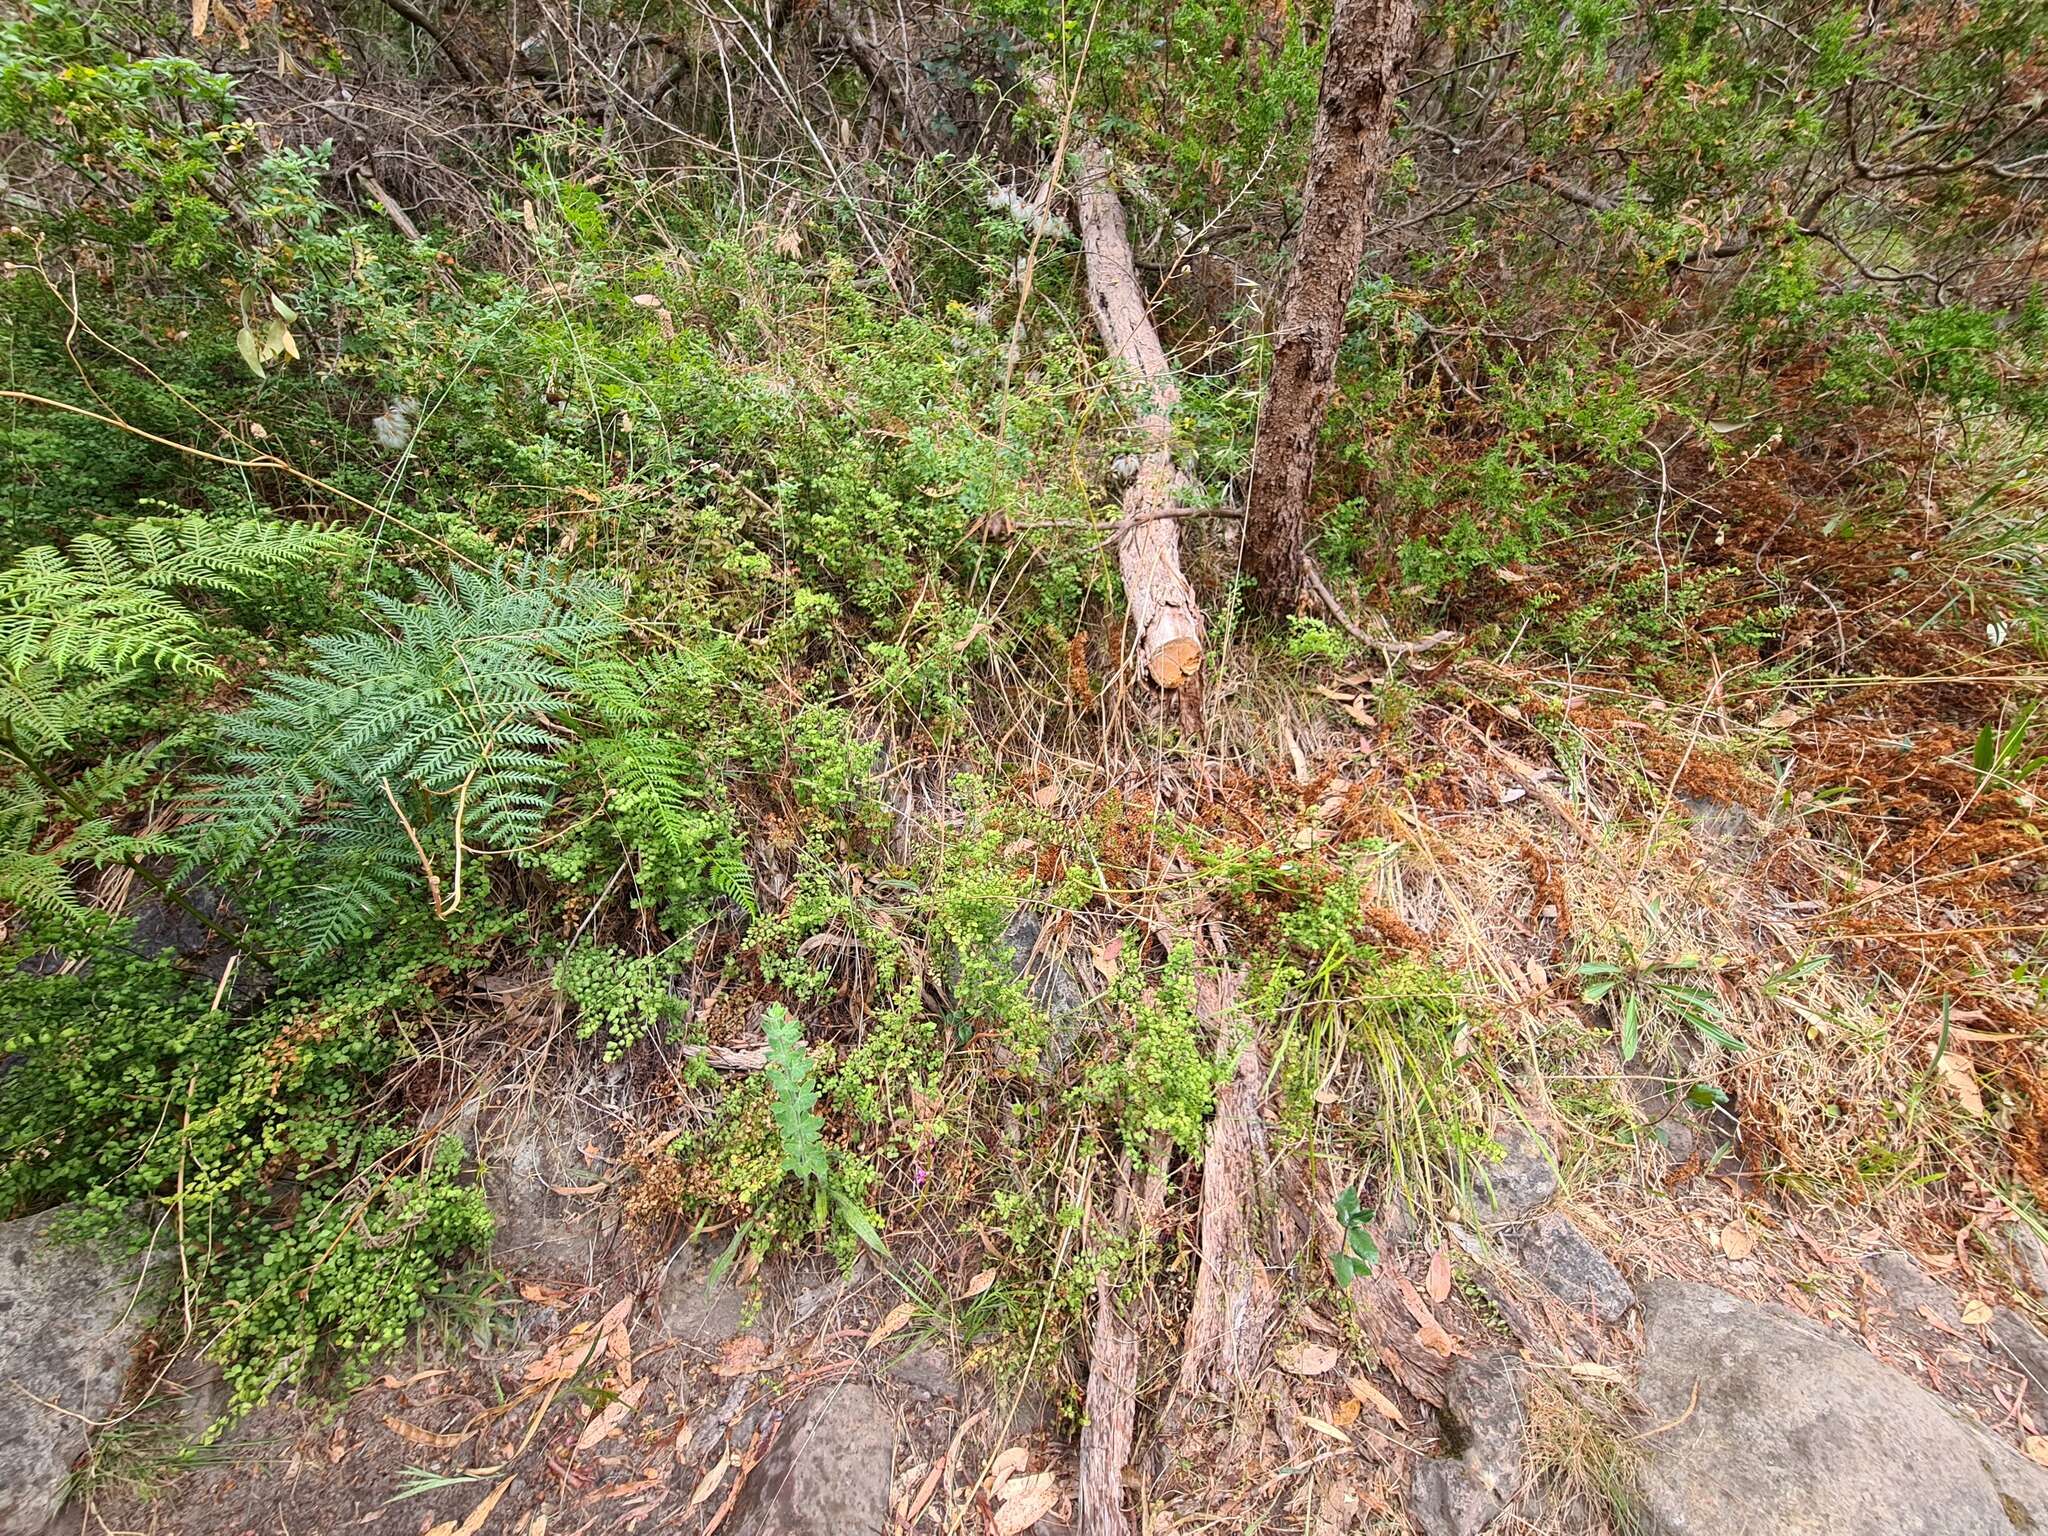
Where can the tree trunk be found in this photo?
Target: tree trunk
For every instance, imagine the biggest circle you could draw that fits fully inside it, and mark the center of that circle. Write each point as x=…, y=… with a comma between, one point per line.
x=1164, y=614
x=1364, y=59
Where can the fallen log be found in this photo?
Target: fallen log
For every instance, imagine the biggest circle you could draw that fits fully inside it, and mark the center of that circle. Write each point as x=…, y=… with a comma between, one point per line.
x=1165, y=618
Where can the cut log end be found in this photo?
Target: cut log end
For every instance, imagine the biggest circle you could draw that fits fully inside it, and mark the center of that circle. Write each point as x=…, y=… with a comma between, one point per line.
x=1174, y=663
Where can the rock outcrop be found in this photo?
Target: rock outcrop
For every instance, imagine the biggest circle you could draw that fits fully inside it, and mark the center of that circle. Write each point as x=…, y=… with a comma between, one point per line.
x=71, y=1316
x=827, y=1471
x=1465, y=1493
x=1762, y=1423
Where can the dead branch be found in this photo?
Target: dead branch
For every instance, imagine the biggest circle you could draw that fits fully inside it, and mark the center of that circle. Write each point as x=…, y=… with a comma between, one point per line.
x=455, y=56
x=896, y=79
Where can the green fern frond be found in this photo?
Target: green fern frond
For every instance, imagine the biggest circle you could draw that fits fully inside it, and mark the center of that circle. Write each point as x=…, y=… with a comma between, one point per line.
x=455, y=706
x=37, y=883
x=790, y=1080
x=662, y=799
x=104, y=607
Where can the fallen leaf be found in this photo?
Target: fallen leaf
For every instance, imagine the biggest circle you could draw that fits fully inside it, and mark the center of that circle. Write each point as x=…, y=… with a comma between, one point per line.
x=1940, y=1324
x=708, y=1483
x=748, y=1458
x=1304, y=1358
x=1412, y=1300
x=982, y=1280
x=741, y=1356
x=1108, y=957
x=625, y=1490
x=1431, y=1336
x=1046, y=796
x=396, y=1384
x=1959, y=1074
x=565, y=1357
x=1345, y=1414
x=477, y=1516
x=923, y=1496
x=1008, y=1464
x=897, y=1317
x=607, y=1421
x=617, y=1342
x=426, y=1437
x=1438, y=1281
x=1593, y=1370
x=1027, y=1500
x=1365, y=1392
x=578, y=1189
x=1976, y=1313
x=1736, y=1241
x=1324, y=1428
x=2036, y=1447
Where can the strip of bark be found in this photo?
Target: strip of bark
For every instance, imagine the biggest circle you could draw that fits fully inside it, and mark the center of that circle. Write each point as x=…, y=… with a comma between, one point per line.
x=1384, y=1319
x=1112, y=1400
x=1234, y=1301
x=1165, y=617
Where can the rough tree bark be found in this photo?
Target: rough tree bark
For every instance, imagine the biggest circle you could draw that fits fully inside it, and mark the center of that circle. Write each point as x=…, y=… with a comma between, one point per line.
x=1164, y=614
x=1234, y=1298
x=1366, y=55
x=1231, y=1314
x=1112, y=1397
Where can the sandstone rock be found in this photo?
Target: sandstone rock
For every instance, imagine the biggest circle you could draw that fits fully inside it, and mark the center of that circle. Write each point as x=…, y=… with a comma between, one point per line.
x=70, y=1321
x=1767, y=1425
x=2021, y=1342
x=2029, y=1257
x=530, y=1154
x=1518, y=1183
x=1559, y=1258
x=1484, y=1422
x=1914, y=1294
x=927, y=1370
x=694, y=1307
x=827, y=1472
x=1053, y=987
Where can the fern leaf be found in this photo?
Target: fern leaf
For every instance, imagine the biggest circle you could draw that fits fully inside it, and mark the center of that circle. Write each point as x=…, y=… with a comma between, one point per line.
x=797, y=1122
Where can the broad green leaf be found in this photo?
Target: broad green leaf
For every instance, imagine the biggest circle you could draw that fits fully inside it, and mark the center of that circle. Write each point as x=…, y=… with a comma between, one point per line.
x=245, y=343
